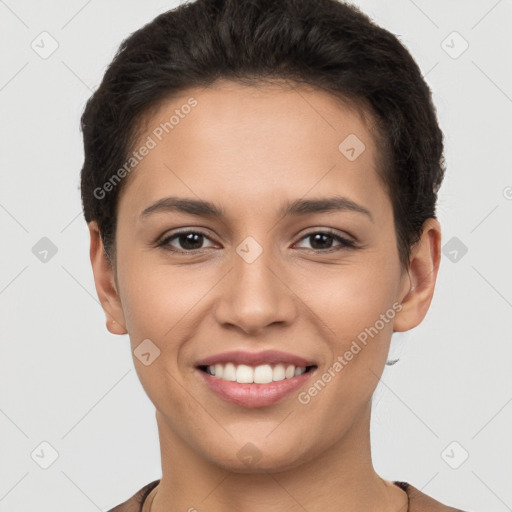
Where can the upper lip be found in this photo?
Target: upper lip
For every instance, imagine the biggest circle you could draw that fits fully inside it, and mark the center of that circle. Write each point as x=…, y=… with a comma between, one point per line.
x=255, y=358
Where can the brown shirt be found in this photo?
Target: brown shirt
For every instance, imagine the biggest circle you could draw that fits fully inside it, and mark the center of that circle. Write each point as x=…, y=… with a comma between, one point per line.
x=418, y=502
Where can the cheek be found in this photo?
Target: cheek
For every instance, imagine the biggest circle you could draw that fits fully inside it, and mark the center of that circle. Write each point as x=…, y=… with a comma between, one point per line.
x=155, y=298
x=350, y=299
x=358, y=305
x=368, y=307
x=357, y=309
x=155, y=303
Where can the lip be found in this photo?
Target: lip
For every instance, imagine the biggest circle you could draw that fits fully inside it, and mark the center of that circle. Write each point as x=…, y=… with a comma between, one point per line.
x=255, y=358
x=254, y=395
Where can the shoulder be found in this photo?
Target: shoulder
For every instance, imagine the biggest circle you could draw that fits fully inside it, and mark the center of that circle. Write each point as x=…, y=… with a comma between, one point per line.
x=420, y=502
x=134, y=504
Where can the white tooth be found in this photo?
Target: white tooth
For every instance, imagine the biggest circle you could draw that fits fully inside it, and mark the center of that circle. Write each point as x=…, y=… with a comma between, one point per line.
x=278, y=373
x=290, y=371
x=263, y=374
x=229, y=372
x=299, y=371
x=244, y=374
x=210, y=370
x=219, y=370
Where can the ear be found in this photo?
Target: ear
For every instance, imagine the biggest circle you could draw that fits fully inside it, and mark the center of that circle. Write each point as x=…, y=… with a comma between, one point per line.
x=105, y=283
x=423, y=267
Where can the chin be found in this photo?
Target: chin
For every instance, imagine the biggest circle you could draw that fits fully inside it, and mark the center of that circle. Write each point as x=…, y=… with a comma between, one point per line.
x=250, y=457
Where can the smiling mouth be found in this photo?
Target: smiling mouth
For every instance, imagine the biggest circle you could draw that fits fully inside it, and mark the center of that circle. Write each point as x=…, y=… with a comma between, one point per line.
x=261, y=374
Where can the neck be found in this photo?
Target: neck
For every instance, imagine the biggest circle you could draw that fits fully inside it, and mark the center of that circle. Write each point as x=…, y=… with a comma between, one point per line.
x=341, y=479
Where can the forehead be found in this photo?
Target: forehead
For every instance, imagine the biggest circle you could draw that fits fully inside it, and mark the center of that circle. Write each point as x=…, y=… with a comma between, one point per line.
x=254, y=142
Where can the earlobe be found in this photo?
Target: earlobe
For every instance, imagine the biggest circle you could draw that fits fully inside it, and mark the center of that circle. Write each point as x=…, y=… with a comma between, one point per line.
x=105, y=283
x=423, y=269
x=115, y=328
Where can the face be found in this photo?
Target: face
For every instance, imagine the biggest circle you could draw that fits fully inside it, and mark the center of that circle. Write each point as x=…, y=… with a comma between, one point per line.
x=288, y=277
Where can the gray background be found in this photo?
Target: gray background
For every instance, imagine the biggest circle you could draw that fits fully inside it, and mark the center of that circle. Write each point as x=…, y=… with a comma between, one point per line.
x=66, y=381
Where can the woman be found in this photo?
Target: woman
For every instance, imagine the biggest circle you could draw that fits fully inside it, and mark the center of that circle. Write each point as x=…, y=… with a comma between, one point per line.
x=260, y=183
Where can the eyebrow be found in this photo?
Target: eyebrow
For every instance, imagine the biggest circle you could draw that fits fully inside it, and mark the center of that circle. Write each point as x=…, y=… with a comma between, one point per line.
x=298, y=207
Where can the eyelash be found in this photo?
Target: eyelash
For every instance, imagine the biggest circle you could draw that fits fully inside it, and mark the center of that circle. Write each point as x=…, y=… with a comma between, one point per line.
x=345, y=243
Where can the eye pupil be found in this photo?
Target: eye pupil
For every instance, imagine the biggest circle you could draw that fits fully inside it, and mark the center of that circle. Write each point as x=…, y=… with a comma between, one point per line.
x=187, y=241
x=318, y=237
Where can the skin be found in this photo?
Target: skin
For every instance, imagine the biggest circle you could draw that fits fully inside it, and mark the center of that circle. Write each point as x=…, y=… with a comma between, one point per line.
x=250, y=150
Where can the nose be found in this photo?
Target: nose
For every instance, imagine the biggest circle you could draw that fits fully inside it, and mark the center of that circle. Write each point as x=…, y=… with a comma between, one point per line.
x=255, y=294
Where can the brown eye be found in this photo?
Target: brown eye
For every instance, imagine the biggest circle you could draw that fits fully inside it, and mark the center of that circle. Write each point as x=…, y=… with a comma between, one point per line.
x=321, y=241
x=188, y=241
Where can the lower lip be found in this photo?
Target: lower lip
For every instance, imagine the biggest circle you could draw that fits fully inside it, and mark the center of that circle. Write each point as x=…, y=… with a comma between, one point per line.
x=254, y=395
